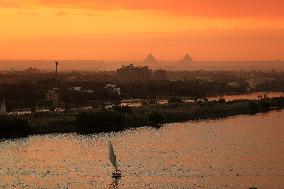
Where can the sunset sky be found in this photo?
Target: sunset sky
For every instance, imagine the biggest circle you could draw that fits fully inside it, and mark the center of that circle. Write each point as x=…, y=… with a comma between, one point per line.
x=127, y=29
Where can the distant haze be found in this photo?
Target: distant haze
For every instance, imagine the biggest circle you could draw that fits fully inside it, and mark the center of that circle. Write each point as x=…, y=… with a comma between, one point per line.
x=94, y=65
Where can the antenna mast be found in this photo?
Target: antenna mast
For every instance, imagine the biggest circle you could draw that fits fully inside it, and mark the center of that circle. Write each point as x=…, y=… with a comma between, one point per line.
x=56, y=71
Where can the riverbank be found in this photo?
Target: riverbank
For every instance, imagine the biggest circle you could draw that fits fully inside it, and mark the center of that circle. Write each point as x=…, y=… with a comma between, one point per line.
x=121, y=118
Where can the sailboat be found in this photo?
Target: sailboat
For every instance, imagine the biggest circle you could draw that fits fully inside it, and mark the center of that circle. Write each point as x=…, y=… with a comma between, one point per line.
x=112, y=157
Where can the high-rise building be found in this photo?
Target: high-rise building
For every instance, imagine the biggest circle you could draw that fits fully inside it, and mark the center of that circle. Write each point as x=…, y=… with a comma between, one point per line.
x=160, y=75
x=131, y=73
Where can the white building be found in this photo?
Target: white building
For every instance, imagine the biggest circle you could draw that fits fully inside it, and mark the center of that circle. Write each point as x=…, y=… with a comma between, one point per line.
x=3, y=108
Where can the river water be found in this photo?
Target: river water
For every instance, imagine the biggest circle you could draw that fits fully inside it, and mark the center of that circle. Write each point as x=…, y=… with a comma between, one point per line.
x=236, y=152
x=248, y=96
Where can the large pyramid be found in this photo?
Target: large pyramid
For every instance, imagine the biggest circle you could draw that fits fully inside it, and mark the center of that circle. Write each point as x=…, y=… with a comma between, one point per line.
x=150, y=59
x=186, y=59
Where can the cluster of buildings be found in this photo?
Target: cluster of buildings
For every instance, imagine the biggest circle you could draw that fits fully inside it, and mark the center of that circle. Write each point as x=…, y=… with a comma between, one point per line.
x=32, y=70
x=133, y=73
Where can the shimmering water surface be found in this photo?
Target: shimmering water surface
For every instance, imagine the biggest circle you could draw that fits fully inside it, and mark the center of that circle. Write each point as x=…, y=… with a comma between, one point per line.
x=236, y=152
x=249, y=96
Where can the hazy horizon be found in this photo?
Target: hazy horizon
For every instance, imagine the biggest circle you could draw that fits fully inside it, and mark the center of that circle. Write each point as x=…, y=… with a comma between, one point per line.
x=174, y=65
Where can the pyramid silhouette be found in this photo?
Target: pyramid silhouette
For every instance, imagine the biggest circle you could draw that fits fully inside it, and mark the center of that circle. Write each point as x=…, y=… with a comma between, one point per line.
x=186, y=59
x=150, y=59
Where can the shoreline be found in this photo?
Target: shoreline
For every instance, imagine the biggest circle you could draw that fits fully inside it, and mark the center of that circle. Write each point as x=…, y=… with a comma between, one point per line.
x=121, y=118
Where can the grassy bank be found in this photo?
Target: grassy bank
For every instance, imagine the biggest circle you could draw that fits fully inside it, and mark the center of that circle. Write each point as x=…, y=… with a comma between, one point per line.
x=120, y=118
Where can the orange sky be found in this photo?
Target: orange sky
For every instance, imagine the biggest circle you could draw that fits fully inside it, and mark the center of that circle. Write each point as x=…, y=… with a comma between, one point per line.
x=127, y=29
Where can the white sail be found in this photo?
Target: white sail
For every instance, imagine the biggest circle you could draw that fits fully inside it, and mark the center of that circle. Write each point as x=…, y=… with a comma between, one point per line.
x=112, y=156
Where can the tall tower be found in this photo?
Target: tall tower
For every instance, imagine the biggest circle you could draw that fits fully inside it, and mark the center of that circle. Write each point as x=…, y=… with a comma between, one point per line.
x=56, y=67
x=56, y=71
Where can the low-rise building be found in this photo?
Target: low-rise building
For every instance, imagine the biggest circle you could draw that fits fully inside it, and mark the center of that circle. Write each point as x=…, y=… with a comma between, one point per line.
x=32, y=70
x=53, y=96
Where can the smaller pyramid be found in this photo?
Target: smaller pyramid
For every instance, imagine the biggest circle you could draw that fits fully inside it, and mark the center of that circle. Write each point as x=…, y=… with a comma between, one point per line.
x=150, y=59
x=186, y=59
